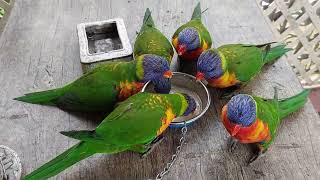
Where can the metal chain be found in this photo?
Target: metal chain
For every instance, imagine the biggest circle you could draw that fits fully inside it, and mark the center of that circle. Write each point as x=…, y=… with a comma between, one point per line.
x=176, y=154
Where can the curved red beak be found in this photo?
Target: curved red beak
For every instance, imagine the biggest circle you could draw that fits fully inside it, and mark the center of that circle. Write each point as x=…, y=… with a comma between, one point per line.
x=235, y=130
x=199, y=76
x=181, y=49
x=167, y=74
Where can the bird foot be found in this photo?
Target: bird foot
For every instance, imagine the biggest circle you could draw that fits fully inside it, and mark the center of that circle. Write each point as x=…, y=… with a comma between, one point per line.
x=232, y=91
x=275, y=96
x=232, y=144
x=255, y=156
x=152, y=145
x=225, y=96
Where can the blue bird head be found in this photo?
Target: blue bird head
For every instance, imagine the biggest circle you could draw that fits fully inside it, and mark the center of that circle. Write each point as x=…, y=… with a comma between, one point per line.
x=209, y=65
x=191, y=105
x=155, y=67
x=162, y=86
x=242, y=110
x=188, y=40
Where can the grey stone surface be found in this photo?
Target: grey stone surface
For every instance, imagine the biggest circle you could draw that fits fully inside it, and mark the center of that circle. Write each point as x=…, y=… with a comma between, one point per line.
x=39, y=50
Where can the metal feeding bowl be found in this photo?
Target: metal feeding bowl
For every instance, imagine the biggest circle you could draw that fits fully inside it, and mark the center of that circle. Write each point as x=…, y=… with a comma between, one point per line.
x=185, y=83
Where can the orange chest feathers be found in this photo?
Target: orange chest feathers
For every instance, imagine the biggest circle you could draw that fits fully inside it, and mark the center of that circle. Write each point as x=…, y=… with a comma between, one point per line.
x=127, y=89
x=257, y=132
x=165, y=121
x=226, y=80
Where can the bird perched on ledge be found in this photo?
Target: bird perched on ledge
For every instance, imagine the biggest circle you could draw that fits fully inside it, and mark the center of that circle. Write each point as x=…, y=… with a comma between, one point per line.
x=235, y=64
x=192, y=38
x=101, y=88
x=251, y=119
x=133, y=125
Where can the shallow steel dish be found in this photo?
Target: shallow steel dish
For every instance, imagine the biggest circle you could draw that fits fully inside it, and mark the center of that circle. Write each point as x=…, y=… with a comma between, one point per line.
x=185, y=83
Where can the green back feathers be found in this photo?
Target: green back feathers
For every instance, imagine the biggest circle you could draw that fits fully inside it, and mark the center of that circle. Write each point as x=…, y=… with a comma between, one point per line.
x=184, y=105
x=139, y=116
x=197, y=12
x=272, y=111
x=151, y=41
x=246, y=60
x=94, y=91
x=243, y=60
x=267, y=111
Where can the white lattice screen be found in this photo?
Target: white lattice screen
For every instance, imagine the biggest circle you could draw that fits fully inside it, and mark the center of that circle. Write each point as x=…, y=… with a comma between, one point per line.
x=297, y=23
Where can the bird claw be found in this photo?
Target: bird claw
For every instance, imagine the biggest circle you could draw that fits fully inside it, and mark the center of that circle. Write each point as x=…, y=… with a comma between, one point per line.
x=232, y=91
x=145, y=154
x=228, y=95
x=152, y=145
x=255, y=156
x=232, y=144
x=275, y=96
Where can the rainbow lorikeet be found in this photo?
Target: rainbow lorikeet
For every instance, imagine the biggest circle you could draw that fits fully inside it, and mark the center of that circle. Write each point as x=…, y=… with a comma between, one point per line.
x=151, y=41
x=192, y=38
x=133, y=125
x=251, y=119
x=101, y=88
x=235, y=64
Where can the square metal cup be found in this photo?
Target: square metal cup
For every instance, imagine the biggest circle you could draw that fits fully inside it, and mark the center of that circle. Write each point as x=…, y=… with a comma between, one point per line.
x=103, y=41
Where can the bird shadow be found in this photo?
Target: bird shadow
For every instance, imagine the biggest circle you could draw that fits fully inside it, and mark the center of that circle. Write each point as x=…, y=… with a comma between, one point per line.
x=94, y=117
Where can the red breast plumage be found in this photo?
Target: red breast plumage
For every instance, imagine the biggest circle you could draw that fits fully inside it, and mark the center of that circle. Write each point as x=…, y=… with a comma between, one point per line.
x=190, y=55
x=256, y=132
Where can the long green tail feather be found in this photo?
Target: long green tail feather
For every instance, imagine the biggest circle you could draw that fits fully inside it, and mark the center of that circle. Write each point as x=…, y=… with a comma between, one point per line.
x=71, y=156
x=82, y=135
x=44, y=97
x=196, y=12
x=275, y=53
x=292, y=104
x=147, y=19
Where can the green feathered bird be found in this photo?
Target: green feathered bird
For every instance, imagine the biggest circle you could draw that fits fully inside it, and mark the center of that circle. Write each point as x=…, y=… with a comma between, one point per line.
x=192, y=38
x=251, y=119
x=235, y=64
x=151, y=41
x=133, y=125
x=101, y=88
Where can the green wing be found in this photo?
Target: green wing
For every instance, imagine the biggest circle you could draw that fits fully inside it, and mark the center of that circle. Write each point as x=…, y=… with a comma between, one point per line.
x=94, y=91
x=244, y=60
x=134, y=121
x=151, y=41
x=197, y=24
x=97, y=90
x=268, y=112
